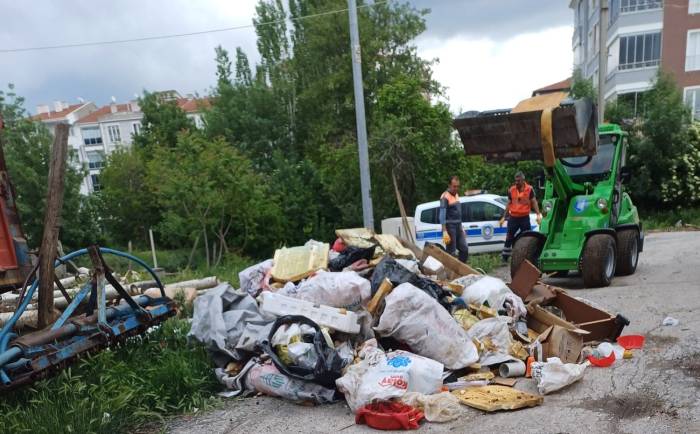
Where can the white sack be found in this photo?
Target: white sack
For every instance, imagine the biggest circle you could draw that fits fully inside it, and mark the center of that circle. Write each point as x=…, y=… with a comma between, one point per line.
x=554, y=375
x=413, y=317
x=345, y=289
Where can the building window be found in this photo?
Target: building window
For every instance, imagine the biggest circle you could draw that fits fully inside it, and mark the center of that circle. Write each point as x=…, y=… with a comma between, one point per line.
x=694, y=6
x=136, y=128
x=640, y=51
x=639, y=5
x=91, y=136
x=614, y=11
x=96, y=160
x=96, y=186
x=692, y=51
x=692, y=98
x=114, y=133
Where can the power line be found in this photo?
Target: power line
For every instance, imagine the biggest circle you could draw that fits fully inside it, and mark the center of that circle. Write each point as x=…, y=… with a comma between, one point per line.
x=183, y=35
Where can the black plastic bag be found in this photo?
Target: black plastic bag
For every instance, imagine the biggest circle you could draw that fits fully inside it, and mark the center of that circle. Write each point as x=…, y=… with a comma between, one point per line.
x=349, y=256
x=390, y=269
x=328, y=366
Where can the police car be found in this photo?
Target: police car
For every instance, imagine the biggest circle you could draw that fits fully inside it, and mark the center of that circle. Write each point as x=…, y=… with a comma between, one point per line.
x=480, y=216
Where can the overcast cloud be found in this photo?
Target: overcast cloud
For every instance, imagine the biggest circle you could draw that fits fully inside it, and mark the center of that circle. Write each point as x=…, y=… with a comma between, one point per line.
x=492, y=52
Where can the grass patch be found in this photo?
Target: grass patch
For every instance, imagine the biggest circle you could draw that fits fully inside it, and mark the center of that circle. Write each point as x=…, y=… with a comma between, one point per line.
x=666, y=220
x=136, y=384
x=485, y=261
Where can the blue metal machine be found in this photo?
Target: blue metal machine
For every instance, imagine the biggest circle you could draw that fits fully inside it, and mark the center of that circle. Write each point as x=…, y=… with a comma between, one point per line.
x=87, y=325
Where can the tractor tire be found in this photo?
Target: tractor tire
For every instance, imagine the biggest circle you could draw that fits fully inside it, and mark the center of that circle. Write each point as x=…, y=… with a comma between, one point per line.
x=525, y=248
x=598, y=261
x=564, y=273
x=627, y=252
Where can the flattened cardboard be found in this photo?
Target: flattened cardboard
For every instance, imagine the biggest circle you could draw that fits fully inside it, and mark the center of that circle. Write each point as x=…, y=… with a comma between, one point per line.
x=525, y=278
x=558, y=337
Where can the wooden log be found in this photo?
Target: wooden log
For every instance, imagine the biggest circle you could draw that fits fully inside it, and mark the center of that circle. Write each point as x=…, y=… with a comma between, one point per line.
x=49, y=240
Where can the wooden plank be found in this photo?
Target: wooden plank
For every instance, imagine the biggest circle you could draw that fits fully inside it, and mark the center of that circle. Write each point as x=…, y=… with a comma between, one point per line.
x=402, y=210
x=49, y=240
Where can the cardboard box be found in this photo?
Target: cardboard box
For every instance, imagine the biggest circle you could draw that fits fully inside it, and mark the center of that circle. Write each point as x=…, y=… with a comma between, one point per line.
x=559, y=338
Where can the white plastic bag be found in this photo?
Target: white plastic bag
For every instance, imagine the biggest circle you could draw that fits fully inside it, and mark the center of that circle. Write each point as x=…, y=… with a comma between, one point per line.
x=252, y=279
x=413, y=317
x=440, y=407
x=267, y=379
x=380, y=376
x=345, y=289
x=496, y=329
x=553, y=375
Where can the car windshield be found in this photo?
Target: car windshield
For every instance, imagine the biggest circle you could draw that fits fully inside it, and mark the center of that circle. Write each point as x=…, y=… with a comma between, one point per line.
x=599, y=165
x=502, y=199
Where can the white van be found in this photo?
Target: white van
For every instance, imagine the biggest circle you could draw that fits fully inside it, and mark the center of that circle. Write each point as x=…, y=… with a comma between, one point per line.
x=480, y=215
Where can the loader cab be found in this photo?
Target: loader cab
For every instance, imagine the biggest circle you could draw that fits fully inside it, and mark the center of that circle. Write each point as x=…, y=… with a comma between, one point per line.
x=598, y=167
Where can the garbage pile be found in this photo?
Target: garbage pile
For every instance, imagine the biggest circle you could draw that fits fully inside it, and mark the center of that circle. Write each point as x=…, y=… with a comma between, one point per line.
x=400, y=334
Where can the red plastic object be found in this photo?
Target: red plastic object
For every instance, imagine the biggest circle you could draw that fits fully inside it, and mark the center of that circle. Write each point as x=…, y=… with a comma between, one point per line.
x=602, y=362
x=339, y=245
x=389, y=416
x=631, y=342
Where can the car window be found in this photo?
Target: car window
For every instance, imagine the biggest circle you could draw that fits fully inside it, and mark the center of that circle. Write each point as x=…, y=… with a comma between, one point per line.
x=483, y=212
x=430, y=216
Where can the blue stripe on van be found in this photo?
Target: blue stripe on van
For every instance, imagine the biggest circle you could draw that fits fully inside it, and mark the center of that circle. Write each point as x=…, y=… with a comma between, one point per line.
x=437, y=235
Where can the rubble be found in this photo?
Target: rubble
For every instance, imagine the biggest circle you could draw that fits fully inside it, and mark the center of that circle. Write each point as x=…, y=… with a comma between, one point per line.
x=390, y=328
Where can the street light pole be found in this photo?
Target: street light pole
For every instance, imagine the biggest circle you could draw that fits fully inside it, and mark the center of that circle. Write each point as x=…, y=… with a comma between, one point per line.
x=602, y=58
x=365, y=184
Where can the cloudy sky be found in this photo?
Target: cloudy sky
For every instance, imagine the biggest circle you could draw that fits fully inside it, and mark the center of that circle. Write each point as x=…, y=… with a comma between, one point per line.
x=491, y=53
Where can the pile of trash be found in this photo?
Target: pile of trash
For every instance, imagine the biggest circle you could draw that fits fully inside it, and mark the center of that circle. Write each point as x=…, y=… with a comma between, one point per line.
x=399, y=333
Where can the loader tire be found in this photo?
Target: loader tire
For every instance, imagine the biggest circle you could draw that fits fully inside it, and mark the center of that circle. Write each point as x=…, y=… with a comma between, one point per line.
x=525, y=248
x=627, y=252
x=598, y=261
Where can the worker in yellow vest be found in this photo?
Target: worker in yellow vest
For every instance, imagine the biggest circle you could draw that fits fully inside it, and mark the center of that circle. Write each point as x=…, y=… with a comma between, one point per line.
x=451, y=220
x=521, y=201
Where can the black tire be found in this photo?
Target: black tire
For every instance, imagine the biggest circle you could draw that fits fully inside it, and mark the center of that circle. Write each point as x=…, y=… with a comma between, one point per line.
x=525, y=248
x=564, y=273
x=627, y=252
x=598, y=261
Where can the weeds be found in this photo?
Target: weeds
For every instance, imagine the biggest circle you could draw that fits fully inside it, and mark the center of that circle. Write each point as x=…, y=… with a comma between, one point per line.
x=140, y=382
x=665, y=220
x=485, y=261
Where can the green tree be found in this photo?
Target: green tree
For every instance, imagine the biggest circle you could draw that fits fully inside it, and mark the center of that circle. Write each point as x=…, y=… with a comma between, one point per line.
x=129, y=208
x=211, y=191
x=27, y=154
x=582, y=87
x=162, y=121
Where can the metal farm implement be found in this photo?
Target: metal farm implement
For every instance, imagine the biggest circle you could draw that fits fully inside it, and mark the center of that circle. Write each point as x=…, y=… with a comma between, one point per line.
x=87, y=325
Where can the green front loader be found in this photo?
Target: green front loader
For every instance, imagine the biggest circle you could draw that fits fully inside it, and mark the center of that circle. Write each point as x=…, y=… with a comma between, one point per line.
x=589, y=222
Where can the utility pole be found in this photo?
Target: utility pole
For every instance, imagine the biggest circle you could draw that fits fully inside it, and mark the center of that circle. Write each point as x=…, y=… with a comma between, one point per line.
x=365, y=183
x=602, y=58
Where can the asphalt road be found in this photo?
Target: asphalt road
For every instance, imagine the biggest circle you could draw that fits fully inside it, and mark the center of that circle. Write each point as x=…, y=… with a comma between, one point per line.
x=658, y=391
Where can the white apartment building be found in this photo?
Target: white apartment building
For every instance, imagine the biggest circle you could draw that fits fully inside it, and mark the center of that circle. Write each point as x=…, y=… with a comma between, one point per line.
x=97, y=132
x=642, y=36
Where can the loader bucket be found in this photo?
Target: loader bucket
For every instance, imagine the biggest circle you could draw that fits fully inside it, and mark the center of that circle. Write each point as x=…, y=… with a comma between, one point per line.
x=514, y=135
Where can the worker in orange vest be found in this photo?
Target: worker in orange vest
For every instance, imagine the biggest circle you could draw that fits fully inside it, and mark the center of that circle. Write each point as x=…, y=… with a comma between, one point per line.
x=451, y=220
x=521, y=201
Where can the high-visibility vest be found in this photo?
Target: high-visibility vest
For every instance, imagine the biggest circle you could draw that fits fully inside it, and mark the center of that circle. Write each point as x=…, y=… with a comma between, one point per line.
x=520, y=201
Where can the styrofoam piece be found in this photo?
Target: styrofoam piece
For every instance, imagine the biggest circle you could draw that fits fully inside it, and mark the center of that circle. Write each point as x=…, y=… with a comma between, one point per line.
x=432, y=265
x=325, y=316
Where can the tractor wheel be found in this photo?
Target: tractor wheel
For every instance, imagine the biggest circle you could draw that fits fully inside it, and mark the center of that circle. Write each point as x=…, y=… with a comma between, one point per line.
x=525, y=248
x=598, y=261
x=564, y=273
x=627, y=251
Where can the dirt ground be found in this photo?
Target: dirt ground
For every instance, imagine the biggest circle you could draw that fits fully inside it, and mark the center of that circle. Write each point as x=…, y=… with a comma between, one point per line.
x=658, y=391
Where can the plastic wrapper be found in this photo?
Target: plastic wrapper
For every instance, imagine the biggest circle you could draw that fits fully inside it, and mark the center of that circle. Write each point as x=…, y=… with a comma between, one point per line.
x=440, y=407
x=416, y=319
x=494, y=292
x=390, y=269
x=346, y=290
x=553, y=375
x=383, y=376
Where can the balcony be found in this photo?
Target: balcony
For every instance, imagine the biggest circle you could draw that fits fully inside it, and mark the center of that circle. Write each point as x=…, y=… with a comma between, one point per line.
x=627, y=6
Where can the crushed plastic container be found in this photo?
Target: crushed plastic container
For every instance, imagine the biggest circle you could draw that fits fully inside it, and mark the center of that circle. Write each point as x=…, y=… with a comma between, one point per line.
x=631, y=342
x=331, y=317
x=389, y=416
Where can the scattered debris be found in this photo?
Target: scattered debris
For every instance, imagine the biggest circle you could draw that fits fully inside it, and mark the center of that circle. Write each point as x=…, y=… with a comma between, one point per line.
x=670, y=321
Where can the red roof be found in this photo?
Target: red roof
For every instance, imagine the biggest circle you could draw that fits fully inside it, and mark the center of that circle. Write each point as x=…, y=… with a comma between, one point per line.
x=555, y=87
x=56, y=115
x=97, y=114
x=191, y=105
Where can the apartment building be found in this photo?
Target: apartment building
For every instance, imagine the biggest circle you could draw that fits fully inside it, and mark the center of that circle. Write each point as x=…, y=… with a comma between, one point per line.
x=642, y=36
x=96, y=132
